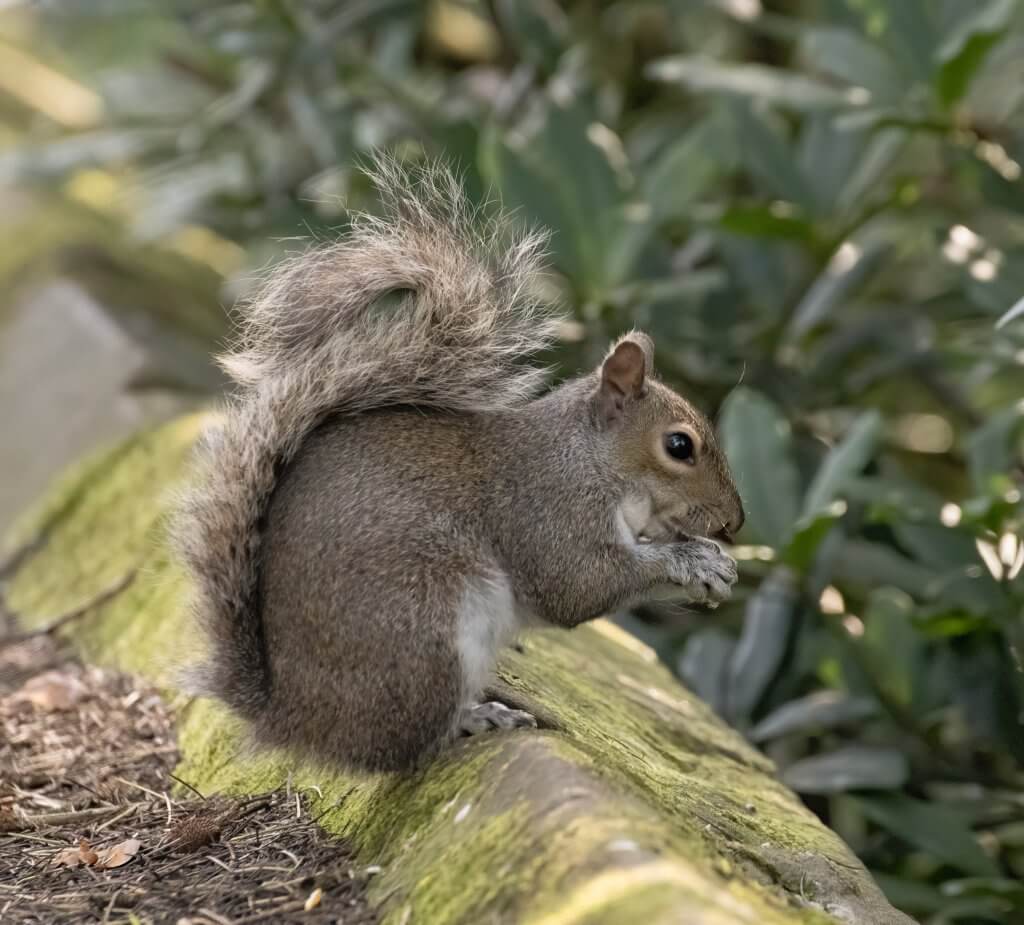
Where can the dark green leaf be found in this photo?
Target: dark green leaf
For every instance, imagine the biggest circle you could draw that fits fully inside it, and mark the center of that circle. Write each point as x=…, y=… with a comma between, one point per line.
x=685, y=171
x=843, y=462
x=868, y=565
x=704, y=665
x=938, y=830
x=849, y=268
x=856, y=767
x=854, y=60
x=964, y=50
x=761, y=222
x=910, y=895
x=995, y=447
x=539, y=29
x=758, y=442
x=768, y=626
x=560, y=166
x=937, y=546
x=910, y=30
x=808, y=537
x=891, y=648
x=813, y=714
x=770, y=158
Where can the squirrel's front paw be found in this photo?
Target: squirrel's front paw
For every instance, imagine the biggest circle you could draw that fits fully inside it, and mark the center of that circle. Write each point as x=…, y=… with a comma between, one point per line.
x=704, y=570
x=482, y=717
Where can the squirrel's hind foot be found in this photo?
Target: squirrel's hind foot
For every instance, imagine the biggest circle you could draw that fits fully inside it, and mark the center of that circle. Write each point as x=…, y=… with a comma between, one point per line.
x=482, y=717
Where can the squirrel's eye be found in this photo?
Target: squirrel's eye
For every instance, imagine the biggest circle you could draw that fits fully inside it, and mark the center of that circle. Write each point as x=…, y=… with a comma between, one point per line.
x=679, y=446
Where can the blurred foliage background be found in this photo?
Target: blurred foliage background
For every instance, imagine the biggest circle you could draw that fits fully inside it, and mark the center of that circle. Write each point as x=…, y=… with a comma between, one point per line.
x=814, y=205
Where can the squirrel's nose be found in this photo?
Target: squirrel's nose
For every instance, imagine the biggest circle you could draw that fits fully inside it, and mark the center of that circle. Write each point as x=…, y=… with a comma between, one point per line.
x=732, y=526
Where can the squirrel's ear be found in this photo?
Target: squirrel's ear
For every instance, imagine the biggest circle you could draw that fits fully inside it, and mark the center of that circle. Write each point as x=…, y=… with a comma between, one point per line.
x=624, y=374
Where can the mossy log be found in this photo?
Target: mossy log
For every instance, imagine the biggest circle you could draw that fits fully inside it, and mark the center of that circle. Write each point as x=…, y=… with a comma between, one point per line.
x=632, y=803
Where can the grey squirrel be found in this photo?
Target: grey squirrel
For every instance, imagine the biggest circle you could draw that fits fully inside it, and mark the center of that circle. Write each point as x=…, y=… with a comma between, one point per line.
x=388, y=498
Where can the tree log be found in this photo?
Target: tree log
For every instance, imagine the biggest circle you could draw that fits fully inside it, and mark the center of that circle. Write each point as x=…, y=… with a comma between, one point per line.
x=632, y=803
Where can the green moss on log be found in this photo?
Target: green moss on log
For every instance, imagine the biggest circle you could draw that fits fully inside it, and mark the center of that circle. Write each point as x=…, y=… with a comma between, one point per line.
x=633, y=802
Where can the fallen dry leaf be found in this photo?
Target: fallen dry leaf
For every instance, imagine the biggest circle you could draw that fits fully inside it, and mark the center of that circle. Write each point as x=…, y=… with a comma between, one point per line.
x=314, y=900
x=118, y=855
x=51, y=690
x=86, y=853
x=75, y=857
x=67, y=857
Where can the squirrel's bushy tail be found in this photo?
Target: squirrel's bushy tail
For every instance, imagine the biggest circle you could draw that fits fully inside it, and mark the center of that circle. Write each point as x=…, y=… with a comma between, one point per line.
x=317, y=341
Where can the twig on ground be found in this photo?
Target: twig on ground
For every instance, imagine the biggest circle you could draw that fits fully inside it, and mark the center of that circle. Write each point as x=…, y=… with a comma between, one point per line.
x=74, y=614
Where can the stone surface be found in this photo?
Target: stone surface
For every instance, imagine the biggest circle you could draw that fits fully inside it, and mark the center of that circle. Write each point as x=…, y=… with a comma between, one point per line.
x=632, y=803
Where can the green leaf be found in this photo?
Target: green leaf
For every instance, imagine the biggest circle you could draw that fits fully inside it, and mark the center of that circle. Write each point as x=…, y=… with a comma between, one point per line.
x=993, y=448
x=938, y=830
x=758, y=442
x=538, y=28
x=937, y=546
x=877, y=160
x=856, y=767
x=763, y=222
x=768, y=626
x=910, y=895
x=843, y=462
x=827, y=156
x=567, y=171
x=770, y=159
x=965, y=49
x=684, y=171
x=1012, y=314
x=808, y=537
x=53, y=159
x=909, y=29
x=813, y=714
x=868, y=565
x=842, y=53
x=704, y=664
x=848, y=269
x=773, y=85
x=891, y=647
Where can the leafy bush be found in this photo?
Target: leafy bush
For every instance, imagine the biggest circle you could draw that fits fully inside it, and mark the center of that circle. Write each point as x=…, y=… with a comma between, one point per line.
x=816, y=209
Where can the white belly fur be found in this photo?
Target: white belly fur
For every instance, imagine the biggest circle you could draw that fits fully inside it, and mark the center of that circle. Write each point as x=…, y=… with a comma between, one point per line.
x=487, y=621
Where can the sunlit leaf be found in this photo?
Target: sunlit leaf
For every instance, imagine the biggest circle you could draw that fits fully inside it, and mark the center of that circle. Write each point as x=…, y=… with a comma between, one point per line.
x=784, y=88
x=1012, y=314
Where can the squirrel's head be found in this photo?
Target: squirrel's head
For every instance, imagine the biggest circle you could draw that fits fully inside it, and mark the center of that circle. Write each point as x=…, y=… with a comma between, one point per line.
x=680, y=479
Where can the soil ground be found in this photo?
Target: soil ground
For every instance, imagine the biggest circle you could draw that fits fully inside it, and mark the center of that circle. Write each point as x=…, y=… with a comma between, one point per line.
x=94, y=827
